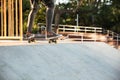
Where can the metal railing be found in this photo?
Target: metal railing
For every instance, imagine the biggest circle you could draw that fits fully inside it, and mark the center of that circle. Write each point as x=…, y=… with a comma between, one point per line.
x=107, y=34
x=71, y=28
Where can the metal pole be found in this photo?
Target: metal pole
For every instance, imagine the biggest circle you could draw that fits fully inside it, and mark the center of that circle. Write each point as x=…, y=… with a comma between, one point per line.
x=117, y=40
x=77, y=17
x=95, y=35
x=77, y=21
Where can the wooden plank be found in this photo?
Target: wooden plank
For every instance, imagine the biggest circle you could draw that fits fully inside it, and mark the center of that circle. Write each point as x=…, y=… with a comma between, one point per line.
x=16, y=10
x=4, y=17
x=1, y=17
x=68, y=29
x=80, y=26
x=20, y=19
x=9, y=17
x=10, y=37
x=12, y=18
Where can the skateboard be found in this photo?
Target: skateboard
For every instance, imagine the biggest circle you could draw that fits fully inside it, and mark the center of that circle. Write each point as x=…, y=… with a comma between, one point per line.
x=53, y=39
x=31, y=39
x=43, y=31
x=49, y=39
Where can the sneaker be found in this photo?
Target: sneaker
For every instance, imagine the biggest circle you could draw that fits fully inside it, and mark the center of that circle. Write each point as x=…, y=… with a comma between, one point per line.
x=53, y=34
x=29, y=35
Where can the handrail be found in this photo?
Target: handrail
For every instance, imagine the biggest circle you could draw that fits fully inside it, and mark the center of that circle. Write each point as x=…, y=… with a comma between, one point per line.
x=86, y=29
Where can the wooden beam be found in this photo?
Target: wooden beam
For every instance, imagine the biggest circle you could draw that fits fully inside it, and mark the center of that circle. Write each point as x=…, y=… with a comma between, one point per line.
x=16, y=13
x=4, y=17
x=1, y=17
x=10, y=37
x=9, y=17
x=20, y=19
x=12, y=18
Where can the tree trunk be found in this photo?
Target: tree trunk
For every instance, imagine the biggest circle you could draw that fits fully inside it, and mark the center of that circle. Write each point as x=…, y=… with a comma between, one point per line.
x=57, y=19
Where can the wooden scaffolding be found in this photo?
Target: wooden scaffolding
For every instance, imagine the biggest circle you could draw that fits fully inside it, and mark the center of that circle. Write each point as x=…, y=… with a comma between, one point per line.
x=11, y=19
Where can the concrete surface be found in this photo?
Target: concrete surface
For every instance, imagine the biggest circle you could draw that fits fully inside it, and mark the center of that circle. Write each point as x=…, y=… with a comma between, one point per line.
x=63, y=61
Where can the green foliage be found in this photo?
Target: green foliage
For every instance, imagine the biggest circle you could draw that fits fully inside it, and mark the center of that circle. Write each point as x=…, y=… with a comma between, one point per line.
x=26, y=9
x=24, y=27
x=109, y=17
x=105, y=14
x=40, y=17
x=105, y=17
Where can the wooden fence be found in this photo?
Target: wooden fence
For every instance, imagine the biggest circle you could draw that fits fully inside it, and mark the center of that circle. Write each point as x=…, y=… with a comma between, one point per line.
x=11, y=19
x=85, y=29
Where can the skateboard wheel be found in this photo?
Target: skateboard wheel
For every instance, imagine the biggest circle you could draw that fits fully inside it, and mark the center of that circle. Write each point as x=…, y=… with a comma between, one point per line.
x=55, y=41
x=50, y=41
x=31, y=40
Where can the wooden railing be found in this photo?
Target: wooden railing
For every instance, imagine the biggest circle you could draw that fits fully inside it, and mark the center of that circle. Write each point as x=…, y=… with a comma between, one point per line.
x=11, y=19
x=86, y=29
x=80, y=30
x=72, y=28
x=114, y=37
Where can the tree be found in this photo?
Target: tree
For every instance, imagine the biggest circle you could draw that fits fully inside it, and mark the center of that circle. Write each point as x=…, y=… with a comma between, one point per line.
x=40, y=17
x=65, y=9
x=116, y=13
x=103, y=13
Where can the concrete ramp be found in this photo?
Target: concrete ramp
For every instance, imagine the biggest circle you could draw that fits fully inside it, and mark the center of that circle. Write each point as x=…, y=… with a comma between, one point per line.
x=75, y=61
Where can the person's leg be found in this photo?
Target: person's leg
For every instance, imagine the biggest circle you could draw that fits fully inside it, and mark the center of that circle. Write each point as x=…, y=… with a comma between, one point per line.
x=34, y=9
x=49, y=16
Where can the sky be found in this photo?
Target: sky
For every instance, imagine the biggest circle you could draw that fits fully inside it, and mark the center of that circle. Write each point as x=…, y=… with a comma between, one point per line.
x=61, y=1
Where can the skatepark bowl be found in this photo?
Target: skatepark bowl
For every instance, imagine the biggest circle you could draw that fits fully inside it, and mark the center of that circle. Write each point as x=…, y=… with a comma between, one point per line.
x=62, y=61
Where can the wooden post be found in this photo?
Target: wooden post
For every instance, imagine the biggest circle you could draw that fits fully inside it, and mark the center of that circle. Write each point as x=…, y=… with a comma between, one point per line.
x=95, y=31
x=1, y=17
x=12, y=18
x=85, y=30
x=4, y=17
x=117, y=45
x=20, y=19
x=9, y=17
x=16, y=12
